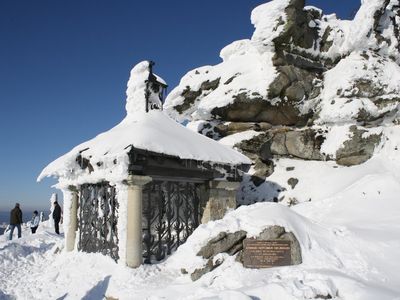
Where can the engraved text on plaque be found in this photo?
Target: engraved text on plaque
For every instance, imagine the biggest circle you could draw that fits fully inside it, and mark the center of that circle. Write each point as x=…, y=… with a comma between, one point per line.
x=266, y=254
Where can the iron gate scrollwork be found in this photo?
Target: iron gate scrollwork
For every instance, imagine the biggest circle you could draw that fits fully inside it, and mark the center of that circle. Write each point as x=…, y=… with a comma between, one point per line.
x=171, y=212
x=98, y=208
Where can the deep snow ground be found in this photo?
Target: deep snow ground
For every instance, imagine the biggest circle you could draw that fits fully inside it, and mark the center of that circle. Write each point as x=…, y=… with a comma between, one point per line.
x=350, y=243
x=349, y=234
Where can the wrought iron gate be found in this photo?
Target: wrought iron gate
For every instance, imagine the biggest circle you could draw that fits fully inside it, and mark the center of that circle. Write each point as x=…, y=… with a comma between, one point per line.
x=98, y=219
x=171, y=212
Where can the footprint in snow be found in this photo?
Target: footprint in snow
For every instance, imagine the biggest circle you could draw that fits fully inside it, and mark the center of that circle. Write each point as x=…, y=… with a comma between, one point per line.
x=340, y=231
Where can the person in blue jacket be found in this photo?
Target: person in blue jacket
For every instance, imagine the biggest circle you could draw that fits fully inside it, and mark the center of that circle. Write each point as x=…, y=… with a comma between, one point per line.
x=35, y=221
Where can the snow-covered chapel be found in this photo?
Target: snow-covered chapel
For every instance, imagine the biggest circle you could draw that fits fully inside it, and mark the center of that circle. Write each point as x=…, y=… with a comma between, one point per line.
x=137, y=191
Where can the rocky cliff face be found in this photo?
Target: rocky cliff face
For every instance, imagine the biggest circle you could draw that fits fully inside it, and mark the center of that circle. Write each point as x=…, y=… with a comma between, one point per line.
x=306, y=85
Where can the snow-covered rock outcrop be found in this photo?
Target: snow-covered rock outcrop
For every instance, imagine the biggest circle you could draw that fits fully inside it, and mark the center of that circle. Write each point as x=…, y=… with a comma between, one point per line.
x=283, y=75
x=305, y=85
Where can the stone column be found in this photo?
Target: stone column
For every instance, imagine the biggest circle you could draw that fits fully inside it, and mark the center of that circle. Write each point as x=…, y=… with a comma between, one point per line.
x=73, y=220
x=134, y=252
x=222, y=198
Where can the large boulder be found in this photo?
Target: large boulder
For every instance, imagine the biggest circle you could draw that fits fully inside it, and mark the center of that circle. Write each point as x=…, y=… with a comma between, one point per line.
x=223, y=242
x=304, y=144
x=253, y=108
x=282, y=142
x=358, y=148
x=230, y=243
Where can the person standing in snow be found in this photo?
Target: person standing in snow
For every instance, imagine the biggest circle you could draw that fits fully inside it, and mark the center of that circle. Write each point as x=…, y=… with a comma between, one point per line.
x=15, y=220
x=57, y=216
x=35, y=221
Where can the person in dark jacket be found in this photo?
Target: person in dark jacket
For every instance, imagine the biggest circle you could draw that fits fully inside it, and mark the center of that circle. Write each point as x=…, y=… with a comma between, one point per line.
x=15, y=220
x=57, y=216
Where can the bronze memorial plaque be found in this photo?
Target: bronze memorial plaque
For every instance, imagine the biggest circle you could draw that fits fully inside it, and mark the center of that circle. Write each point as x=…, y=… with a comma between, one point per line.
x=266, y=254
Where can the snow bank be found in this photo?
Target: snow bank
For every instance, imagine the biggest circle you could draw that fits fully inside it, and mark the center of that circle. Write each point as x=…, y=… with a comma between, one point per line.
x=252, y=219
x=349, y=245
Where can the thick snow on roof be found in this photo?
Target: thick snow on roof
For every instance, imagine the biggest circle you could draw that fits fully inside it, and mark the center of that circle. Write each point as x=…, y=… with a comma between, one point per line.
x=153, y=131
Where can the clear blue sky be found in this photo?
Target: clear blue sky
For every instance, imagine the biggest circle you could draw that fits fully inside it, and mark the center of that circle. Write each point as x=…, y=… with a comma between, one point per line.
x=64, y=67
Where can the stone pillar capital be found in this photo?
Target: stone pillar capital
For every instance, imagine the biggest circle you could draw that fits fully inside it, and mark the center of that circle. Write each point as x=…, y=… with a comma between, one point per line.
x=137, y=180
x=224, y=185
x=72, y=188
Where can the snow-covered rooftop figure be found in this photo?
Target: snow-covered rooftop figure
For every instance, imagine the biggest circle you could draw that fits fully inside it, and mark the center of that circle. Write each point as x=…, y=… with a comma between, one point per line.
x=148, y=160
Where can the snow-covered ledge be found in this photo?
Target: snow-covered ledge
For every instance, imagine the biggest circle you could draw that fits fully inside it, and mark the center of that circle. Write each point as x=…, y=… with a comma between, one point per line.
x=134, y=251
x=222, y=199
